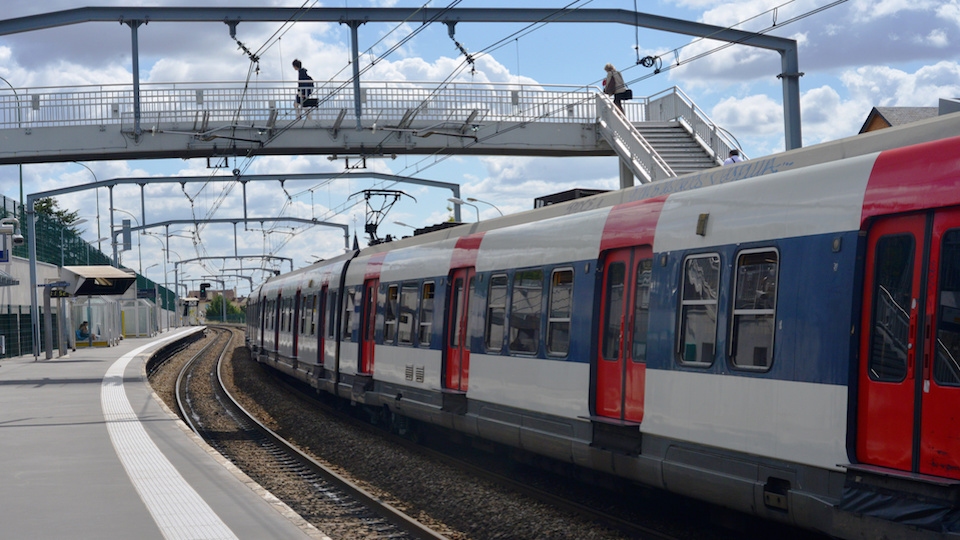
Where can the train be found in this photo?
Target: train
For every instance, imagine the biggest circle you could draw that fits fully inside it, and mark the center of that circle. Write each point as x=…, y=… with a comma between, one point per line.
x=779, y=336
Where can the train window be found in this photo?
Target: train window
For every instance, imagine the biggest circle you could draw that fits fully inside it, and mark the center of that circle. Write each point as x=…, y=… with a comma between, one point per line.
x=288, y=310
x=641, y=310
x=754, y=309
x=892, y=294
x=616, y=279
x=408, y=308
x=287, y=324
x=697, y=336
x=946, y=365
x=313, y=314
x=558, y=318
x=426, y=313
x=332, y=315
x=390, y=314
x=525, y=311
x=351, y=302
x=496, y=312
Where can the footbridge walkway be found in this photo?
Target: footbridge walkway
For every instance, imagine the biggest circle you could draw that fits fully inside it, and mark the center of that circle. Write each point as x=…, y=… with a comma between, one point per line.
x=655, y=137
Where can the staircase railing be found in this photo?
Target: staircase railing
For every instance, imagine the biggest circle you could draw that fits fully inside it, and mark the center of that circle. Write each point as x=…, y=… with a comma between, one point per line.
x=634, y=150
x=672, y=104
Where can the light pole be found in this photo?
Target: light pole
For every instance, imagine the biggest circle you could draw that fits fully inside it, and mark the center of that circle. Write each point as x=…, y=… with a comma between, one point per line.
x=471, y=199
x=96, y=192
x=19, y=125
x=455, y=200
x=63, y=227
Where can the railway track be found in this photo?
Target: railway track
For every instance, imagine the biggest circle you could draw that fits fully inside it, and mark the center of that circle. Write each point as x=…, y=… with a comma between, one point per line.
x=509, y=503
x=212, y=412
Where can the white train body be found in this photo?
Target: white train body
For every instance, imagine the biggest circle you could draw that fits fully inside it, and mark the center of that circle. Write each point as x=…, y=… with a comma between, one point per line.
x=742, y=335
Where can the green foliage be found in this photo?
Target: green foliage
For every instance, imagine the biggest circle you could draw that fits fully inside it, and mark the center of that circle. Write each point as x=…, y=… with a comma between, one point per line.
x=49, y=206
x=214, y=309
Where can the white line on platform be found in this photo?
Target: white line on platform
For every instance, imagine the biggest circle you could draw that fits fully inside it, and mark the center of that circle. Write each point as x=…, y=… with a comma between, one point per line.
x=177, y=508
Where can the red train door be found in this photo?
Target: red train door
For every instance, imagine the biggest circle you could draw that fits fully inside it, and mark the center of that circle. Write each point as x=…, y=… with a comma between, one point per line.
x=909, y=377
x=457, y=367
x=621, y=358
x=369, y=325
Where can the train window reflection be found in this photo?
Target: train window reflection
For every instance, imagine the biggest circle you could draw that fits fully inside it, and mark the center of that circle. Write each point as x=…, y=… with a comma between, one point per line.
x=350, y=306
x=408, y=308
x=496, y=312
x=426, y=313
x=641, y=310
x=892, y=292
x=558, y=319
x=946, y=367
x=525, y=311
x=754, y=309
x=697, y=337
x=390, y=314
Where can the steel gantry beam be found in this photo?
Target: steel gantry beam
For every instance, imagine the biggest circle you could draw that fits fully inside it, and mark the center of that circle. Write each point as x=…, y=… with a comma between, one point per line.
x=354, y=17
x=32, y=198
x=261, y=220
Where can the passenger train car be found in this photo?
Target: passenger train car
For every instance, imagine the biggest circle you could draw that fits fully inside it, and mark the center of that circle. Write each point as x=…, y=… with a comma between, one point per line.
x=778, y=336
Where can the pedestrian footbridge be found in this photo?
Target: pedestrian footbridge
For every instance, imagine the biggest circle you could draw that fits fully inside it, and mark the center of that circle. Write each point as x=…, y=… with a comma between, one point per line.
x=656, y=137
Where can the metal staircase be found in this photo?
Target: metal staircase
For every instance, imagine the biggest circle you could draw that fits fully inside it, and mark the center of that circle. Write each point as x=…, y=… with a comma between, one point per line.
x=672, y=138
x=677, y=146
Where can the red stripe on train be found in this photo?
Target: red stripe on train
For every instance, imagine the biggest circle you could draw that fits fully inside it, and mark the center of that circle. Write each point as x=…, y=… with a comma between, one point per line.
x=915, y=177
x=465, y=252
x=632, y=224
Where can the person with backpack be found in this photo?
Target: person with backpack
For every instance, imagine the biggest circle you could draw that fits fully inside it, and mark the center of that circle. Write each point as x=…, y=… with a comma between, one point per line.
x=304, y=88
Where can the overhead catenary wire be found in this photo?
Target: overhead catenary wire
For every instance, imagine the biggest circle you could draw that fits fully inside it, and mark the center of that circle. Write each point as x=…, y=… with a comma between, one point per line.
x=460, y=68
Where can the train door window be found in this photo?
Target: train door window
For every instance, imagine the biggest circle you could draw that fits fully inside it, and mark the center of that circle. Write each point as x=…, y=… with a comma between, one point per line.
x=496, y=312
x=525, y=311
x=456, y=310
x=350, y=305
x=390, y=314
x=697, y=337
x=313, y=314
x=561, y=308
x=616, y=278
x=426, y=313
x=370, y=311
x=892, y=295
x=946, y=366
x=754, y=309
x=641, y=310
x=408, y=309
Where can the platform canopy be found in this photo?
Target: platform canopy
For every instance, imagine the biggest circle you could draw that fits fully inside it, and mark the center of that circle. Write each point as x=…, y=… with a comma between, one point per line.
x=96, y=280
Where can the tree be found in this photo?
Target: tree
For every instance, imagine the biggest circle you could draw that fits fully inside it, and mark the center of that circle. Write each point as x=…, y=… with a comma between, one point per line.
x=214, y=309
x=48, y=206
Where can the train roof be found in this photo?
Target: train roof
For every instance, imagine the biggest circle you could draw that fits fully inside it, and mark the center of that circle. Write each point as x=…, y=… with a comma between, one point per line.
x=932, y=129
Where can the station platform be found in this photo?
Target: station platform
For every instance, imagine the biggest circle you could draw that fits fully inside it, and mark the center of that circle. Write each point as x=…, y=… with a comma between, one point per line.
x=87, y=451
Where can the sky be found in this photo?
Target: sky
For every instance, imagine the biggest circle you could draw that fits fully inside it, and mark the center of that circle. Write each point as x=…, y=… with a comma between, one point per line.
x=855, y=55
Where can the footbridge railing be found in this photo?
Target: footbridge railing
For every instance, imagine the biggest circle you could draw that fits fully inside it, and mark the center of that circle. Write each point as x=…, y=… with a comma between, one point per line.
x=383, y=103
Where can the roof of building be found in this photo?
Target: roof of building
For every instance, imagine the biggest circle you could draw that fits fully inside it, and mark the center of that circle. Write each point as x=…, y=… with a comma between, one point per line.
x=884, y=117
